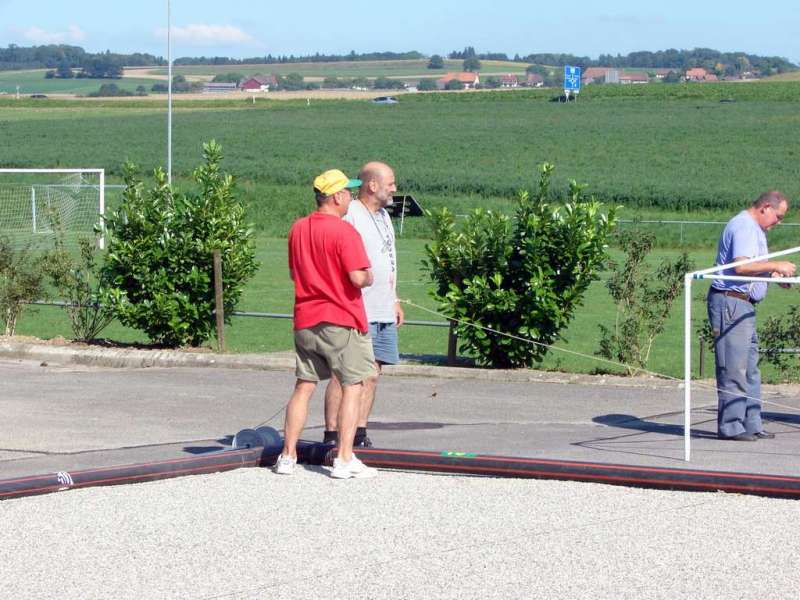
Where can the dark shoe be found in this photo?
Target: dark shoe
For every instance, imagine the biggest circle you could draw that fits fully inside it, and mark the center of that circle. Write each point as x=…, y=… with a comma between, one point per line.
x=364, y=442
x=764, y=435
x=742, y=437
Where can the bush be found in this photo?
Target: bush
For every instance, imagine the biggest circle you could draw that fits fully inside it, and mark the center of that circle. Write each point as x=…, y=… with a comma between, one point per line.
x=454, y=84
x=77, y=282
x=436, y=62
x=523, y=277
x=384, y=83
x=426, y=85
x=228, y=77
x=110, y=90
x=21, y=281
x=779, y=337
x=159, y=267
x=644, y=299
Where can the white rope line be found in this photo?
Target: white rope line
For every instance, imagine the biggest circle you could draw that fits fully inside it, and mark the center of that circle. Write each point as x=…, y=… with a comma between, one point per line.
x=596, y=358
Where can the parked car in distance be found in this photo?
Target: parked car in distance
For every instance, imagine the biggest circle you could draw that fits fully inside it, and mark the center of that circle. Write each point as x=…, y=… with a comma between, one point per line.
x=384, y=100
x=38, y=96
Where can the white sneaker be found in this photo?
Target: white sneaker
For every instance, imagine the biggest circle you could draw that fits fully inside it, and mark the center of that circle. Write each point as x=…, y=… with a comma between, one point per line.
x=285, y=465
x=354, y=469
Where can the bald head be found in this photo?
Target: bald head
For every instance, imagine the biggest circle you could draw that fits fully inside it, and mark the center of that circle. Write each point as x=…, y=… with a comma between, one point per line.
x=377, y=185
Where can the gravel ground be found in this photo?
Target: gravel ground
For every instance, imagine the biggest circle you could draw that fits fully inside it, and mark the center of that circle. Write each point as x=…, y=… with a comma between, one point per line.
x=252, y=534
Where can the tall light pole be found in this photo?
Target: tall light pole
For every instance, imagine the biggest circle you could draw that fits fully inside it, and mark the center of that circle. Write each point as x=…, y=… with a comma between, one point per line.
x=169, y=93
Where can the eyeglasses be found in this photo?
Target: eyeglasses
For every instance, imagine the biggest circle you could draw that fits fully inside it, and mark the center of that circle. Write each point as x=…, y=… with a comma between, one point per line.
x=778, y=215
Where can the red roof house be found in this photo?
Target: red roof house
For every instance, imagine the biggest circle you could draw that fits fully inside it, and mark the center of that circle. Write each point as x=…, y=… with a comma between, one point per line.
x=470, y=80
x=258, y=82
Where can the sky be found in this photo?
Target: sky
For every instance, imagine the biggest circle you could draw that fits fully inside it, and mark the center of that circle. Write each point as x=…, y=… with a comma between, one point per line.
x=242, y=28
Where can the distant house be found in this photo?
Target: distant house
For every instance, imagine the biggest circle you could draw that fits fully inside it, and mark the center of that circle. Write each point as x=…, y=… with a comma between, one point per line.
x=260, y=83
x=535, y=80
x=712, y=77
x=589, y=75
x=509, y=81
x=661, y=73
x=696, y=74
x=628, y=77
x=470, y=80
x=219, y=88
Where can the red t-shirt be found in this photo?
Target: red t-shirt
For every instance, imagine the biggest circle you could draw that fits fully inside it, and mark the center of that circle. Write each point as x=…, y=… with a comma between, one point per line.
x=323, y=249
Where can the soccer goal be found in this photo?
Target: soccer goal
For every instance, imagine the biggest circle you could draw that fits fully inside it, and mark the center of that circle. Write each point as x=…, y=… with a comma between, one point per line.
x=712, y=273
x=33, y=200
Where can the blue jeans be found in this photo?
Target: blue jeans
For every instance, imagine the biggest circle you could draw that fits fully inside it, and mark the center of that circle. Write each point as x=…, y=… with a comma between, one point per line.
x=733, y=321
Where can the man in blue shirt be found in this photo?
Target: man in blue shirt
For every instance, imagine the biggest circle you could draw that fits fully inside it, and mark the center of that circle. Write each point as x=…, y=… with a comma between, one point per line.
x=732, y=313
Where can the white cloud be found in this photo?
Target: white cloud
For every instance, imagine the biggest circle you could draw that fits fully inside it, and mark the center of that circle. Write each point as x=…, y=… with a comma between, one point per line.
x=37, y=35
x=209, y=35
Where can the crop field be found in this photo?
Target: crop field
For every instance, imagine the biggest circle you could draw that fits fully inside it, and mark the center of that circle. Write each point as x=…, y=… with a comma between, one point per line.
x=34, y=82
x=386, y=68
x=683, y=152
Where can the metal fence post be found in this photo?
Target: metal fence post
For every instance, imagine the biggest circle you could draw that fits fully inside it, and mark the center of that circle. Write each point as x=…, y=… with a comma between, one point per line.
x=452, y=344
x=218, y=305
x=702, y=354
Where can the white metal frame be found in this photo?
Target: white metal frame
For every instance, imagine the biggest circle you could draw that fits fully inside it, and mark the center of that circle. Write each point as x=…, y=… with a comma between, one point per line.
x=101, y=184
x=687, y=330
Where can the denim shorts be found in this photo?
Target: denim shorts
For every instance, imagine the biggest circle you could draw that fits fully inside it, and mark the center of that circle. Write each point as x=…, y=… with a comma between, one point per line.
x=384, y=342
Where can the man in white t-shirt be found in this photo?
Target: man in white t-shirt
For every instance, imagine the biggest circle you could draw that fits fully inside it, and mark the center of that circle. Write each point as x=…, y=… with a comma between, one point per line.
x=368, y=215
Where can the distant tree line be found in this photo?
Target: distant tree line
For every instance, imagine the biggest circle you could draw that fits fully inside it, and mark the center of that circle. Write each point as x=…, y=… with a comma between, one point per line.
x=729, y=63
x=55, y=56
x=269, y=59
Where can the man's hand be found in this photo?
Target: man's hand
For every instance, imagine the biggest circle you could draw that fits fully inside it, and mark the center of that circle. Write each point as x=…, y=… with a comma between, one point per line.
x=785, y=286
x=399, y=317
x=361, y=278
x=784, y=268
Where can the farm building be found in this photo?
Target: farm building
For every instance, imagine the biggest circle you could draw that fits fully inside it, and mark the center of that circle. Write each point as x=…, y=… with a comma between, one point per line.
x=696, y=74
x=628, y=77
x=509, y=80
x=258, y=83
x=470, y=80
x=594, y=73
x=219, y=88
x=535, y=80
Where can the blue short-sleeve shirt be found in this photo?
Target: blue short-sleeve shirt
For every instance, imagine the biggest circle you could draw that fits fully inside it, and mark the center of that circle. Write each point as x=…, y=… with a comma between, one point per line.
x=742, y=237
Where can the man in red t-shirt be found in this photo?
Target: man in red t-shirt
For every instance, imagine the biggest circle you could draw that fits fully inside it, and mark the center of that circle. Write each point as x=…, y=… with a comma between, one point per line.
x=329, y=266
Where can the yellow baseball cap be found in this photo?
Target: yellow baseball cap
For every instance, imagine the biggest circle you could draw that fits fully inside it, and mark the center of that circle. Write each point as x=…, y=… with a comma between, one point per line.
x=334, y=181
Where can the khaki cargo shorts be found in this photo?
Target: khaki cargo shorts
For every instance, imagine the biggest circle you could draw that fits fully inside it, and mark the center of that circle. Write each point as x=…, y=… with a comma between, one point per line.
x=325, y=349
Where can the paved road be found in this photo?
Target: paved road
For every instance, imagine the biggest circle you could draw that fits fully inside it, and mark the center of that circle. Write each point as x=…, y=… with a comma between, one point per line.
x=67, y=417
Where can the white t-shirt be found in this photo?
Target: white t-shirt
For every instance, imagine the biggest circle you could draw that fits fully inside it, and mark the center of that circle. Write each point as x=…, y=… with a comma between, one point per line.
x=377, y=232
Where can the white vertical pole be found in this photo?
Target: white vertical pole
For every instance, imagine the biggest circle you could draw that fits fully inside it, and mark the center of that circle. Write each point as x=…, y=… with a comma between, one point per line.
x=33, y=207
x=169, y=93
x=102, y=241
x=687, y=368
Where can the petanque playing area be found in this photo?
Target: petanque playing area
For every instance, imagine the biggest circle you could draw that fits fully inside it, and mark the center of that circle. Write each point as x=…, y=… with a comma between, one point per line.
x=249, y=533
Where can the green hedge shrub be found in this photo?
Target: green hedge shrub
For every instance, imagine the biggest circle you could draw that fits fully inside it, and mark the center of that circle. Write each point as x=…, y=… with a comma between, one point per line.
x=158, y=274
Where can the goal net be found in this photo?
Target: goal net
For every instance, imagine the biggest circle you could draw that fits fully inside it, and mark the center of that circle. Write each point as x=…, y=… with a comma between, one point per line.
x=35, y=203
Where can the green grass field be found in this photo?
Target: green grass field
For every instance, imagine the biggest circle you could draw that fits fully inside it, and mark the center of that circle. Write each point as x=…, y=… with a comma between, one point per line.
x=271, y=291
x=34, y=82
x=387, y=68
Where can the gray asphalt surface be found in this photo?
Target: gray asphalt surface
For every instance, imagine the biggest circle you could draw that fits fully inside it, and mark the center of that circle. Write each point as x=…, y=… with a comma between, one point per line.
x=252, y=534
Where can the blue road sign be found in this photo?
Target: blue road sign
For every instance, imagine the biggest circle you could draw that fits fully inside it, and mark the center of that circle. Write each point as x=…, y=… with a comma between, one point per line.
x=572, y=79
